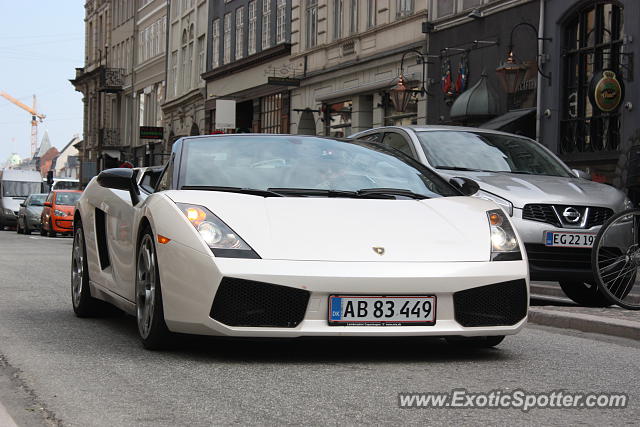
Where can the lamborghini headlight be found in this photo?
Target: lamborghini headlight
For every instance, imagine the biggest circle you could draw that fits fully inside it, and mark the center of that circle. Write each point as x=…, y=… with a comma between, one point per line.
x=222, y=240
x=504, y=203
x=504, y=243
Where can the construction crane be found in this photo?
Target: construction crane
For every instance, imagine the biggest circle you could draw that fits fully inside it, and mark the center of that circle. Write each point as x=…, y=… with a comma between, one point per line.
x=35, y=117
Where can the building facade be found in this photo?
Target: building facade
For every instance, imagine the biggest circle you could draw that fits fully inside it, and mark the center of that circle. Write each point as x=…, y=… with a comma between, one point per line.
x=183, y=106
x=350, y=54
x=470, y=41
x=590, y=117
x=248, y=65
x=98, y=81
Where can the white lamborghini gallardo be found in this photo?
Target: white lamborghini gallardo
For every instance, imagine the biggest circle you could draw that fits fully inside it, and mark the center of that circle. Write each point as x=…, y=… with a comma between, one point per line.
x=288, y=236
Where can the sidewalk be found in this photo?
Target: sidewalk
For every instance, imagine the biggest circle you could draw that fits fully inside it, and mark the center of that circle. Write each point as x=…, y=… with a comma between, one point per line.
x=558, y=311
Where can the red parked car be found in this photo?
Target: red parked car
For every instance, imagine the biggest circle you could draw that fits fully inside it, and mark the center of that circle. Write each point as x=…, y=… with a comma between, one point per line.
x=57, y=215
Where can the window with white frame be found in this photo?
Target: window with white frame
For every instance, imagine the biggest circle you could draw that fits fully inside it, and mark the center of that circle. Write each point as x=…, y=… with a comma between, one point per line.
x=404, y=8
x=372, y=11
x=266, y=24
x=174, y=73
x=353, y=16
x=253, y=18
x=337, y=19
x=311, y=14
x=188, y=77
x=215, y=44
x=227, y=38
x=201, y=60
x=239, y=32
x=281, y=22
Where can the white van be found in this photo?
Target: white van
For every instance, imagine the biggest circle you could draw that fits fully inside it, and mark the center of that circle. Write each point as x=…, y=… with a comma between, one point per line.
x=61, y=184
x=15, y=186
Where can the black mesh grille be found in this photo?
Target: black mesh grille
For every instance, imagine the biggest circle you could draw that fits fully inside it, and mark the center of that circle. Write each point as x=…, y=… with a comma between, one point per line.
x=597, y=216
x=558, y=258
x=500, y=304
x=240, y=302
x=541, y=213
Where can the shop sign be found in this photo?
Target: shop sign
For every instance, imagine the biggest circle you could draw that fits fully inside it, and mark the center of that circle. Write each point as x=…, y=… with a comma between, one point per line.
x=283, y=81
x=151, y=132
x=606, y=91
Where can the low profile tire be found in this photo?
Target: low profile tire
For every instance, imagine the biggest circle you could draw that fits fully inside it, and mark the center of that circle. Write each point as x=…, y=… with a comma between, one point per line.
x=152, y=328
x=84, y=305
x=475, y=342
x=584, y=293
x=26, y=230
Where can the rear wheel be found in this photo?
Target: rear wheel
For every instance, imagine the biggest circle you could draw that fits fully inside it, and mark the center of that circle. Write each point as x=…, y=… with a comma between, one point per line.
x=475, y=342
x=149, y=310
x=84, y=305
x=584, y=293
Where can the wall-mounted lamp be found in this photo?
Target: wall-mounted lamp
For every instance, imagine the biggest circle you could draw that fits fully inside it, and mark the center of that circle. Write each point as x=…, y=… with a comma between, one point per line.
x=400, y=94
x=510, y=72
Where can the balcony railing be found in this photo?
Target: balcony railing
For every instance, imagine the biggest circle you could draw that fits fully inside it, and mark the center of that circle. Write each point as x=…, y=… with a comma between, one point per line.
x=109, y=138
x=111, y=79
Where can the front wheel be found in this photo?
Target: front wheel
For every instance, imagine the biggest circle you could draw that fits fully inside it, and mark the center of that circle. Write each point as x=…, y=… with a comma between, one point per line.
x=18, y=229
x=475, y=342
x=84, y=305
x=586, y=294
x=52, y=232
x=152, y=328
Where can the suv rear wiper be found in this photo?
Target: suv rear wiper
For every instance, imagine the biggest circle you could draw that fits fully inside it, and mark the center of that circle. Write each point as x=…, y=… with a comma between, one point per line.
x=391, y=192
x=252, y=191
x=313, y=192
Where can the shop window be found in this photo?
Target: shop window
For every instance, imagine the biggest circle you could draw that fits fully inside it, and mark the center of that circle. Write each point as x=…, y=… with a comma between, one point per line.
x=592, y=43
x=338, y=119
x=271, y=113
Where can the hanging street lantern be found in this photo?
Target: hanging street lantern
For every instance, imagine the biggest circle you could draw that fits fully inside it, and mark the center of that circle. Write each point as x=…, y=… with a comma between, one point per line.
x=400, y=95
x=511, y=74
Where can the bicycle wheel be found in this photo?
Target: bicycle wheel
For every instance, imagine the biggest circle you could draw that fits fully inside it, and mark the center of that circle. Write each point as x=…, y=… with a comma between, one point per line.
x=615, y=259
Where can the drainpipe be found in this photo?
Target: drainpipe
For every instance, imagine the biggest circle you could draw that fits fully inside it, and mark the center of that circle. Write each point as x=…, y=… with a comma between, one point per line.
x=540, y=62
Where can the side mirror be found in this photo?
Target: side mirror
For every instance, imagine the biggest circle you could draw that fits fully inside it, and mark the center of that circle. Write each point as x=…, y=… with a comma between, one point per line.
x=467, y=186
x=121, y=179
x=48, y=204
x=581, y=174
x=23, y=205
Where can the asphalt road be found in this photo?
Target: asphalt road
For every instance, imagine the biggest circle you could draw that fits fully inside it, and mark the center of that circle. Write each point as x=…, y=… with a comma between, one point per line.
x=56, y=369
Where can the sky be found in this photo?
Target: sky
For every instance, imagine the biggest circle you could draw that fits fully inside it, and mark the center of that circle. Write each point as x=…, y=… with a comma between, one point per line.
x=41, y=44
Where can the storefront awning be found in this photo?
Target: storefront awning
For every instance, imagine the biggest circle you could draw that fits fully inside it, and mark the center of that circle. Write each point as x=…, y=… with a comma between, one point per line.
x=521, y=121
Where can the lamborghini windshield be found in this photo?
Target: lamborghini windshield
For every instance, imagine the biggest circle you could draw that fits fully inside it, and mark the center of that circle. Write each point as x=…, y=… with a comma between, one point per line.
x=289, y=164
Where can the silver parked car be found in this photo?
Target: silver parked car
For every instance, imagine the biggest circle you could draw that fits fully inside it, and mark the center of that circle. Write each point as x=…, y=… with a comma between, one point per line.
x=556, y=210
x=29, y=213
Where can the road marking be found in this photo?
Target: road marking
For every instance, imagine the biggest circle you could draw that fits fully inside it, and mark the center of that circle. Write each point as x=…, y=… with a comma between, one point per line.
x=5, y=418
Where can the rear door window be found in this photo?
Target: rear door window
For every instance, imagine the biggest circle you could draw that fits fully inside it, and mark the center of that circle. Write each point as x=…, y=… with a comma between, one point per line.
x=399, y=142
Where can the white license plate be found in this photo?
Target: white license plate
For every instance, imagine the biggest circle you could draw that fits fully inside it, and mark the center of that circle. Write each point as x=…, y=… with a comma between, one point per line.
x=569, y=240
x=351, y=310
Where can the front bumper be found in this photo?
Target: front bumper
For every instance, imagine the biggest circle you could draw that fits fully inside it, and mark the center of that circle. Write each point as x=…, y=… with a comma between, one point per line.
x=553, y=263
x=63, y=224
x=190, y=281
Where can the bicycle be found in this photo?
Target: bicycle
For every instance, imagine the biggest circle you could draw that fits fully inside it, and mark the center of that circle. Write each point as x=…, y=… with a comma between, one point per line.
x=615, y=259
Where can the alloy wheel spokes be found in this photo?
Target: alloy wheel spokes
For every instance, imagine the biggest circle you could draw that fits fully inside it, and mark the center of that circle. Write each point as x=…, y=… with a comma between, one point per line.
x=145, y=286
x=77, y=266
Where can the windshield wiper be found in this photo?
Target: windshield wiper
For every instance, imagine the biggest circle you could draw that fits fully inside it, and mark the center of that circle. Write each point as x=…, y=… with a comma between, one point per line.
x=391, y=192
x=313, y=192
x=252, y=191
x=459, y=168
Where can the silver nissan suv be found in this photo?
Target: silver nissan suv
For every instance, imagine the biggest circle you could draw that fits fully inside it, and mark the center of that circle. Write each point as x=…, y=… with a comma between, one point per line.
x=557, y=211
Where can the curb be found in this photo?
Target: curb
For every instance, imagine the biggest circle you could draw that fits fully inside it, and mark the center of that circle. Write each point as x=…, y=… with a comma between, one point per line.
x=585, y=322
